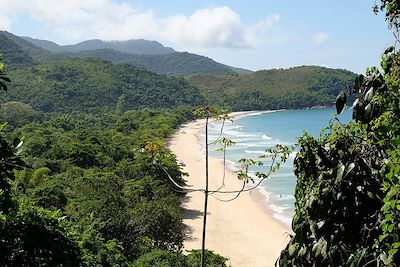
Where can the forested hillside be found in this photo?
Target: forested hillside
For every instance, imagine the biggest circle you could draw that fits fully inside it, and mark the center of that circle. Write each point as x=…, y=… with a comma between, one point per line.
x=91, y=84
x=173, y=64
x=88, y=189
x=51, y=82
x=85, y=170
x=85, y=162
x=139, y=47
x=146, y=54
x=297, y=87
x=17, y=51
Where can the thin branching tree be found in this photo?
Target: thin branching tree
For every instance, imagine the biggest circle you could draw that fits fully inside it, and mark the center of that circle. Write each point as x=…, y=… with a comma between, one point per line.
x=277, y=154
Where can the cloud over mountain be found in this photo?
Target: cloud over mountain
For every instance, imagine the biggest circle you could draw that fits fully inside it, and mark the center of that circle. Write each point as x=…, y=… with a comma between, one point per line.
x=74, y=20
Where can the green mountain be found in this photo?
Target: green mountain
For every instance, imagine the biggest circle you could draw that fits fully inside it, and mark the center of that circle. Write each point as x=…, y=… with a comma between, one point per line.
x=51, y=83
x=140, y=47
x=75, y=81
x=17, y=51
x=174, y=64
x=93, y=84
x=150, y=55
x=297, y=87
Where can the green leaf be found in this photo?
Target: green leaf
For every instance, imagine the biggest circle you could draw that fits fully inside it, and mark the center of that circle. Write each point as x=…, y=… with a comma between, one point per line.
x=2, y=126
x=320, y=224
x=368, y=110
x=389, y=50
x=358, y=83
x=339, y=172
x=368, y=96
x=349, y=168
x=340, y=102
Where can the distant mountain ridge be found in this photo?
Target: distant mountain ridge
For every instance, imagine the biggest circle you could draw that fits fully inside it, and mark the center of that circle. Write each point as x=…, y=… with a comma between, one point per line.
x=137, y=47
x=173, y=64
x=48, y=80
x=153, y=56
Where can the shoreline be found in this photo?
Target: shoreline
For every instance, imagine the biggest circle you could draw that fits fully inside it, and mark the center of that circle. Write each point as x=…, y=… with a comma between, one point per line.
x=244, y=229
x=261, y=197
x=264, y=197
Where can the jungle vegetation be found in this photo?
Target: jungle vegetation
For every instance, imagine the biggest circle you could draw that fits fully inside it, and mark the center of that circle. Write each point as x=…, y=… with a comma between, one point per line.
x=348, y=188
x=83, y=158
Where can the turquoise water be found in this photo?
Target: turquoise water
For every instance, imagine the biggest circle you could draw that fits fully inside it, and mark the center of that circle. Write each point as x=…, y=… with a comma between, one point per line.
x=254, y=133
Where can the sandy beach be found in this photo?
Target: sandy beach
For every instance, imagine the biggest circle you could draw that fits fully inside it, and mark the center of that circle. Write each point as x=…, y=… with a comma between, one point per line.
x=241, y=230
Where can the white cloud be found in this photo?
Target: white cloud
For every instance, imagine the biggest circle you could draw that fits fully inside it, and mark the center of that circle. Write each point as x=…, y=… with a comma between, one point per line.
x=320, y=38
x=215, y=27
x=5, y=23
x=269, y=21
x=76, y=20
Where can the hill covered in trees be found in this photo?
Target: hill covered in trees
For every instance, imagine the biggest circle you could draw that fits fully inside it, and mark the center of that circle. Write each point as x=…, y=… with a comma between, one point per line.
x=75, y=81
x=139, y=47
x=173, y=64
x=89, y=188
x=92, y=84
x=17, y=51
x=145, y=54
x=297, y=87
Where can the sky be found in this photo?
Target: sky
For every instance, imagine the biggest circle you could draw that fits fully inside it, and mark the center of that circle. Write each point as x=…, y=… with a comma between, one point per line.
x=250, y=34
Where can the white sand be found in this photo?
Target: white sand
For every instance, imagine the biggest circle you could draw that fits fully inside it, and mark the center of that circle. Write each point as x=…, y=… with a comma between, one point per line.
x=241, y=230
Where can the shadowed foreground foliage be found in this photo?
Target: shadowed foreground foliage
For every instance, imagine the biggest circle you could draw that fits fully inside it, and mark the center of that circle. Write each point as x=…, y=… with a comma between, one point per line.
x=348, y=189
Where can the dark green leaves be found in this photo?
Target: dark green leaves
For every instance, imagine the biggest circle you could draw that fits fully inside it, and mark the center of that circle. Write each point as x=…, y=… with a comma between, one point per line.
x=3, y=77
x=388, y=50
x=358, y=83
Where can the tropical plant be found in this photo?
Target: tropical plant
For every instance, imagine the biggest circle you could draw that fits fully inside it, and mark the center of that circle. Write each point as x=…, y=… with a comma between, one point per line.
x=347, y=194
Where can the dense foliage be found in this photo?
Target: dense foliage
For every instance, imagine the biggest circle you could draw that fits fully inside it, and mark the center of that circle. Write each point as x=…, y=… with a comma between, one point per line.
x=173, y=64
x=92, y=171
x=18, y=52
x=348, y=189
x=94, y=85
x=98, y=184
x=161, y=258
x=297, y=87
x=89, y=189
x=28, y=234
x=98, y=172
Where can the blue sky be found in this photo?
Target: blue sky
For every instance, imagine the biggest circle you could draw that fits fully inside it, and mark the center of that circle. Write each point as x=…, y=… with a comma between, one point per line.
x=252, y=34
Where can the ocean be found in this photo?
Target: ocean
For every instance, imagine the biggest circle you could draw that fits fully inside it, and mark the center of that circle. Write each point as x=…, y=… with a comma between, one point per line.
x=255, y=132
